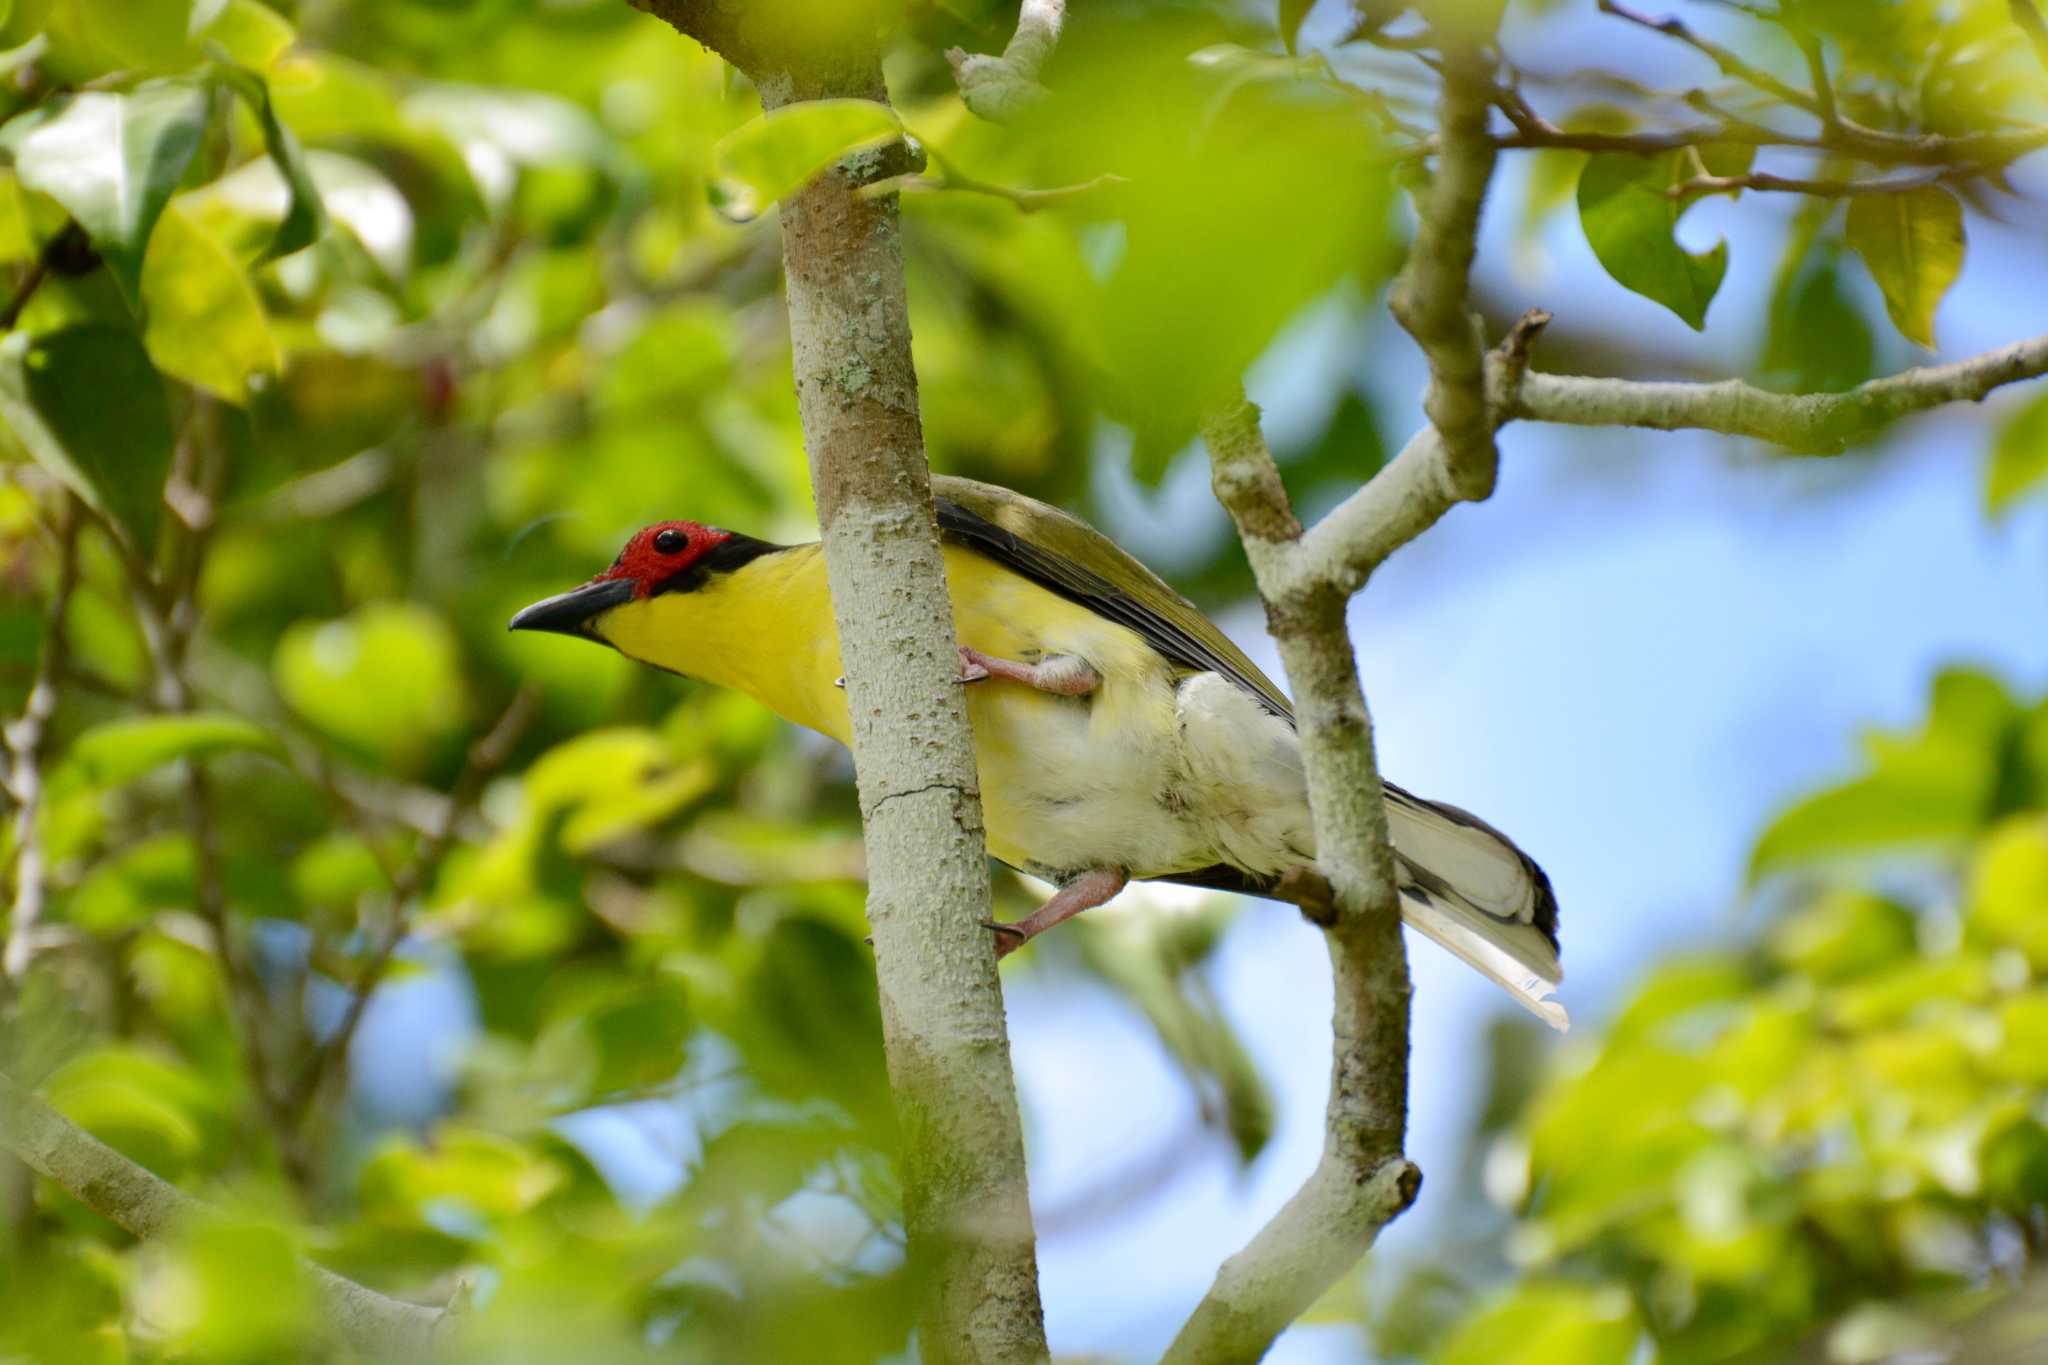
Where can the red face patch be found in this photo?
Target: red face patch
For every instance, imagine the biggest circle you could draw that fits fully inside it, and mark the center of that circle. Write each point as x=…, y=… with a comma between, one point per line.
x=662, y=551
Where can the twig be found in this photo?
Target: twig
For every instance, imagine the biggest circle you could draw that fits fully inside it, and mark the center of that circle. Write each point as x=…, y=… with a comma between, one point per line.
x=24, y=739
x=1817, y=422
x=1429, y=296
x=1728, y=62
x=1826, y=189
x=38, y=271
x=134, y=1199
x=951, y=177
x=1000, y=88
x=1362, y=1181
x=485, y=757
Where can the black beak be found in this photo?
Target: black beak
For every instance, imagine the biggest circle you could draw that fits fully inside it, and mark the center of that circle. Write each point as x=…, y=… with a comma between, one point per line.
x=570, y=613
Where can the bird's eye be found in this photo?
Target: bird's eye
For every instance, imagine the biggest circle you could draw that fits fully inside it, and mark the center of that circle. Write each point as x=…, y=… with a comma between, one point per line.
x=670, y=541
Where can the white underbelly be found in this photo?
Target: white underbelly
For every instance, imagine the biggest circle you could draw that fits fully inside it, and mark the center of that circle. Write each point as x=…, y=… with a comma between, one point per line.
x=1140, y=776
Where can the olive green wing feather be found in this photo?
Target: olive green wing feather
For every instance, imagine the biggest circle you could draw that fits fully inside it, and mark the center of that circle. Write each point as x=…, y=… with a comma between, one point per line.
x=1067, y=556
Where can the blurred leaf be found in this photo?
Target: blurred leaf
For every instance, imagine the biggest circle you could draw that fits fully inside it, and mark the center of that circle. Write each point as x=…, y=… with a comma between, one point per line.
x=2019, y=456
x=1819, y=341
x=252, y=34
x=1937, y=785
x=233, y=1290
x=1629, y=217
x=1844, y=934
x=1913, y=244
x=112, y=160
x=119, y=751
x=1292, y=12
x=386, y=680
x=2008, y=892
x=206, y=324
x=305, y=216
x=1253, y=186
x=778, y=153
x=1547, y=1323
x=53, y=394
x=154, y=1110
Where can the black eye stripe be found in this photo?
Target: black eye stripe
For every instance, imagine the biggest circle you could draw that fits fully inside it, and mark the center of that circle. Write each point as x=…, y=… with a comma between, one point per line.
x=670, y=541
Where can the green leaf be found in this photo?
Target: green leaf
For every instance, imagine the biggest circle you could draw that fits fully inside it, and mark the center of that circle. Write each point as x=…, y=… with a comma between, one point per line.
x=1913, y=244
x=1936, y=786
x=114, y=455
x=2019, y=457
x=306, y=215
x=120, y=751
x=1819, y=340
x=252, y=34
x=112, y=160
x=1629, y=217
x=766, y=158
x=386, y=680
x=1547, y=1324
x=206, y=324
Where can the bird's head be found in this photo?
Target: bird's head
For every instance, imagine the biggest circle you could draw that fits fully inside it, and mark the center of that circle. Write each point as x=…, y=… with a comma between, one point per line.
x=669, y=556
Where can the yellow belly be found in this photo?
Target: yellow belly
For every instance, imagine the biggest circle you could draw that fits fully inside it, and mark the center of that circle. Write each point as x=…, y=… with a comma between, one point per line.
x=1066, y=782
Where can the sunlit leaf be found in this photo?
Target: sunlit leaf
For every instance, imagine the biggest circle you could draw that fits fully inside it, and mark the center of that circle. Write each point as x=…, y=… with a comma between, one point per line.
x=305, y=215
x=53, y=394
x=206, y=325
x=1547, y=1323
x=1933, y=787
x=2008, y=898
x=1913, y=244
x=2019, y=456
x=778, y=153
x=387, y=680
x=112, y=160
x=251, y=33
x=1629, y=217
x=119, y=751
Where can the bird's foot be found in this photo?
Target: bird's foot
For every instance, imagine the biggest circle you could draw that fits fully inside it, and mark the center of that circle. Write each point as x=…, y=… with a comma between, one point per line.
x=1064, y=675
x=1084, y=892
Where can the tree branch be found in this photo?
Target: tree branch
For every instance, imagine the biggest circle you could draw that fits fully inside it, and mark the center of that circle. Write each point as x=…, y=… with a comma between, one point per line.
x=966, y=1207
x=1362, y=1182
x=1000, y=88
x=1429, y=297
x=132, y=1198
x=1306, y=580
x=24, y=739
x=1816, y=422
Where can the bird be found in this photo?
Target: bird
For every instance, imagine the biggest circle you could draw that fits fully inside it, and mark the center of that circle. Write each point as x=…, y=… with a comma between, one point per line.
x=1120, y=735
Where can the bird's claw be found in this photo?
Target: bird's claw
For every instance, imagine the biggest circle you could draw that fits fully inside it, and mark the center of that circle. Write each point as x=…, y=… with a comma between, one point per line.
x=1009, y=937
x=971, y=670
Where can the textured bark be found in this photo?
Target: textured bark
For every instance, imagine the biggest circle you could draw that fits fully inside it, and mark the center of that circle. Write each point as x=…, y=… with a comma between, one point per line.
x=966, y=1208
x=1362, y=1181
x=127, y=1195
x=968, y=1217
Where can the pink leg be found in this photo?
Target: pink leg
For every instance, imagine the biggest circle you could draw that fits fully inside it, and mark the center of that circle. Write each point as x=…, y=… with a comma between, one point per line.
x=1084, y=892
x=1063, y=674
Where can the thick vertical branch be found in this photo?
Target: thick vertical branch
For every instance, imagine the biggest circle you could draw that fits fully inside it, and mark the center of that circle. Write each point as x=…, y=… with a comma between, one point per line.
x=928, y=893
x=965, y=1201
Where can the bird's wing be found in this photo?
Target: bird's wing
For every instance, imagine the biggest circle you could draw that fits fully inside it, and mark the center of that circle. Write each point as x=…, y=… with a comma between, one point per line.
x=1067, y=556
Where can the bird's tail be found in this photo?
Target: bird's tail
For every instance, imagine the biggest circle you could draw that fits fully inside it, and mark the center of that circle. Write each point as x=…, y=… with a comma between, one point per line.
x=1466, y=885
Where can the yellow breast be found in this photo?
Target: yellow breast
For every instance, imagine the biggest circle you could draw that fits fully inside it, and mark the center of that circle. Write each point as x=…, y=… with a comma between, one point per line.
x=1052, y=768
